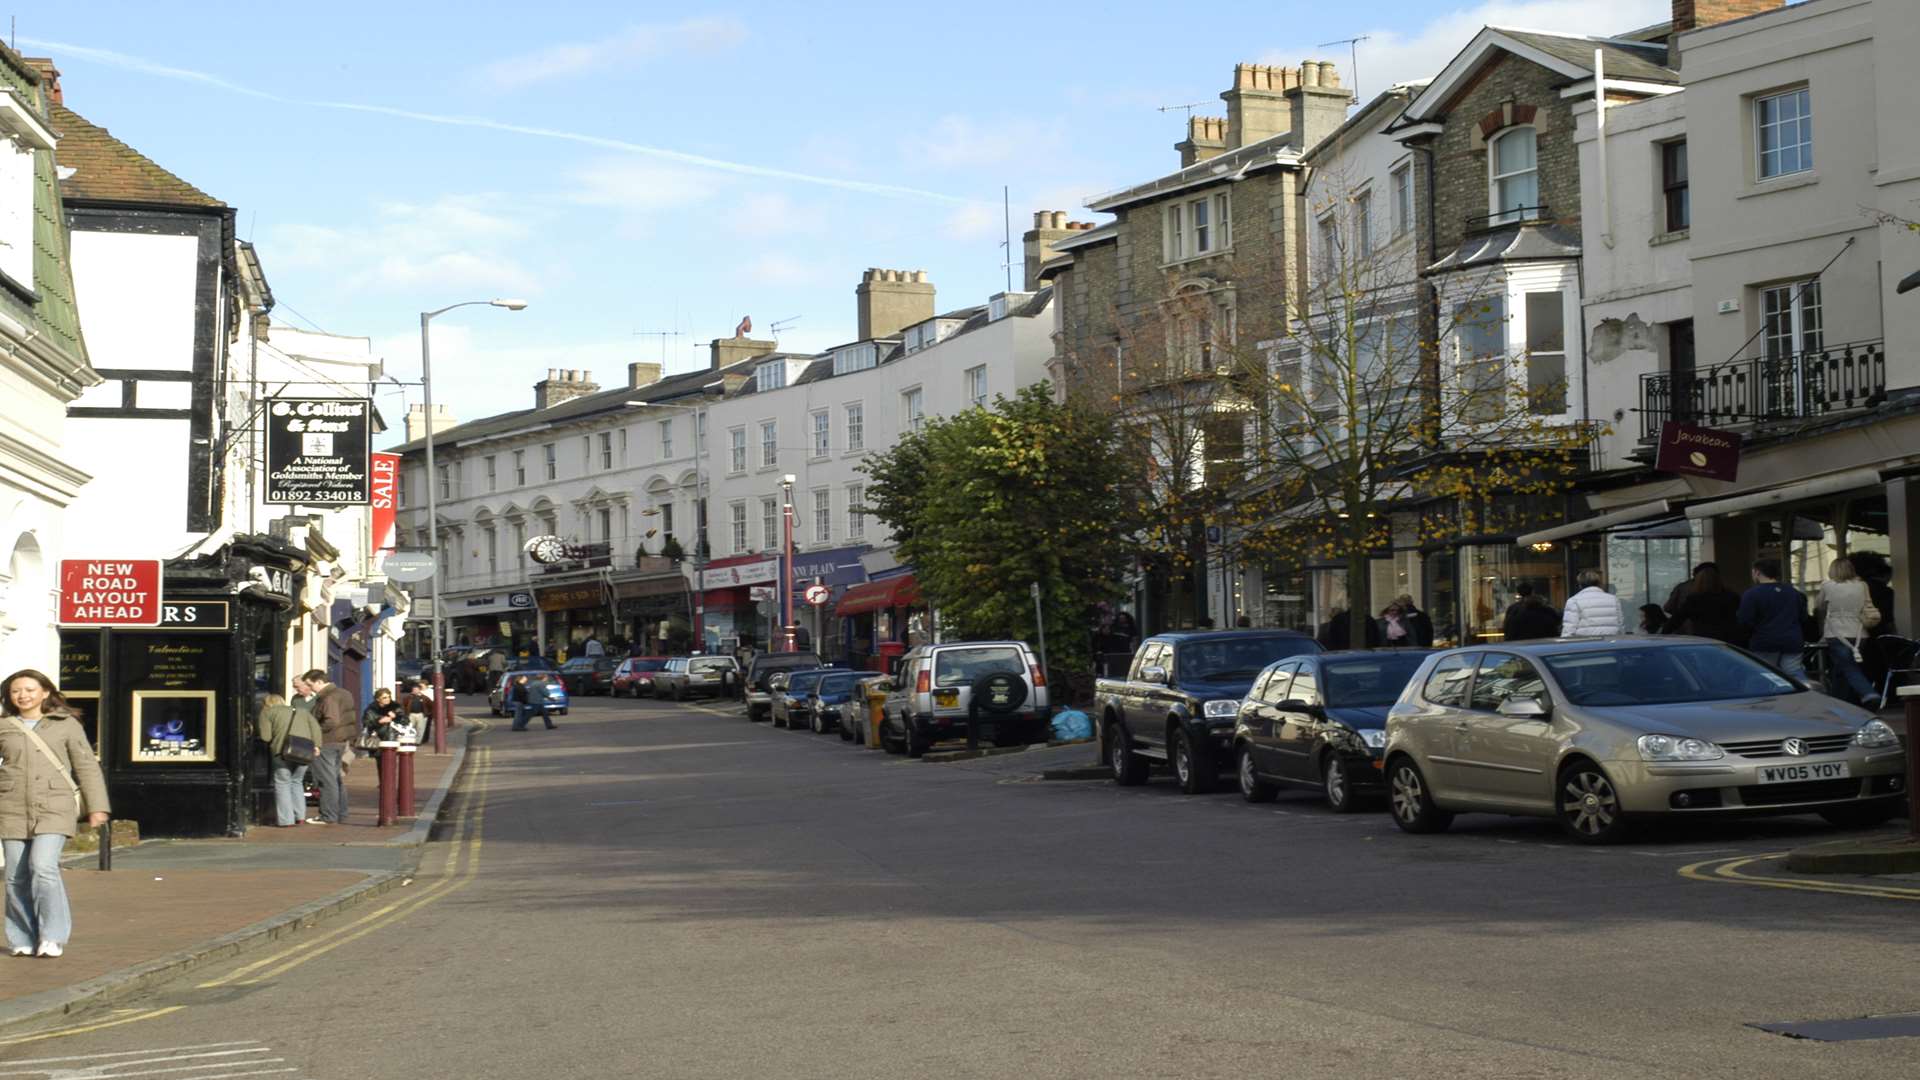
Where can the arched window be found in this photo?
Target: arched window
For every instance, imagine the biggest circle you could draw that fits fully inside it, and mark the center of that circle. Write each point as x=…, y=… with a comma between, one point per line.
x=1513, y=176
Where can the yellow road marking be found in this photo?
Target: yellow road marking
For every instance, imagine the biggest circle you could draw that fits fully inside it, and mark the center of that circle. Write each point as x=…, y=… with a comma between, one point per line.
x=466, y=842
x=1728, y=871
x=82, y=1029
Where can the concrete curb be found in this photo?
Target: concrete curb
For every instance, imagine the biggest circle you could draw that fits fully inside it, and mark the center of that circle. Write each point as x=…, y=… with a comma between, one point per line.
x=116, y=985
x=938, y=756
x=1887, y=855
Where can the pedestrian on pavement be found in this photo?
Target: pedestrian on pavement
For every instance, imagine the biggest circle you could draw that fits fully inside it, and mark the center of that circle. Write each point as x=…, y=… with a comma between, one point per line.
x=518, y=697
x=1679, y=591
x=1843, y=618
x=1593, y=611
x=302, y=698
x=1528, y=617
x=1338, y=631
x=339, y=719
x=1653, y=619
x=1395, y=633
x=278, y=720
x=1774, y=617
x=496, y=664
x=48, y=778
x=1708, y=608
x=594, y=648
x=1418, y=622
x=416, y=702
x=380, y=715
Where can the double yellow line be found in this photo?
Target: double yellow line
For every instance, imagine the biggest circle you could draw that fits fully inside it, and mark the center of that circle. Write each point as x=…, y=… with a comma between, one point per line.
x=1729, y=871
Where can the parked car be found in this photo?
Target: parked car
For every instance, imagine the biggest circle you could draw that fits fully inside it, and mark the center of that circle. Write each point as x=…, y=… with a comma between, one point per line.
x=940, y=689
x=838, y=703
x=696, y=676
x=588, y=675
x=1598, y=733
x=1321, y=721
x=1181, y=698
x=763, y=667
x=634, y=675
x=791, y=700
x=546, y=693
x=411, y=667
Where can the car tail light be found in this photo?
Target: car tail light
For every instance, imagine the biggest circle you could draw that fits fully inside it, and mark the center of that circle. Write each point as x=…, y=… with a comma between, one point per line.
x=1039, y=677
x=924, y=683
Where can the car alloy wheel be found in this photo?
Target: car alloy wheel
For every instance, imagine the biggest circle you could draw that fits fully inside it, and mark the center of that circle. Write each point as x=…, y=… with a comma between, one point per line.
x=1338, y=786
x=1252, y=788
x=1589, y=807
x=1129, y=768
x=1407, y=796
x=1191, y=767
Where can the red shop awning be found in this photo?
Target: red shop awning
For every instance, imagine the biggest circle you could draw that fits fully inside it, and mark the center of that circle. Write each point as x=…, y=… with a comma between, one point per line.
x=902, y=591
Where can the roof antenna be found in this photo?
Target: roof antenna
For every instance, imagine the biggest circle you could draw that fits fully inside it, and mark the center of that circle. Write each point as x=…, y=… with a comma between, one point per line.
x=663, y=335
x=1353, y=52
x=782, y=325
x=1188, y=108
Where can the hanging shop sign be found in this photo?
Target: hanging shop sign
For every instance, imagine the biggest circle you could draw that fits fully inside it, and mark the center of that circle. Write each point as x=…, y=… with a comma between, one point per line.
x=1697, y=451
x=318, y=451
x=386, y=499
x=727, y=577
x=195, y=615
x=110, y=592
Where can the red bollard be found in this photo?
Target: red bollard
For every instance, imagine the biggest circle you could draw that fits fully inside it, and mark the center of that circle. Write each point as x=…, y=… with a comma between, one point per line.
x=387, y=785
x=404, y=796
x=442, y=714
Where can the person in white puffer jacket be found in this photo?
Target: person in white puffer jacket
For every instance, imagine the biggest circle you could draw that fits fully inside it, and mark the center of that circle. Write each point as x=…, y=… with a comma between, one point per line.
x=1593, y=611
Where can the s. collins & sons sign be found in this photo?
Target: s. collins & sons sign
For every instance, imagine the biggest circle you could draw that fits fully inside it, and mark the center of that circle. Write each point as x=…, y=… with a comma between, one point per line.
x=318, y=451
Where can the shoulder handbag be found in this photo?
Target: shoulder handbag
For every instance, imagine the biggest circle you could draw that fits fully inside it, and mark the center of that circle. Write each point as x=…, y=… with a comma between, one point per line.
x=59, y=766
x=299, y=750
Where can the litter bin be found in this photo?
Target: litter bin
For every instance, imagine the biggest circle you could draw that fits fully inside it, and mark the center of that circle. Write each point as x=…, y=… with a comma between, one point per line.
x=876, y=696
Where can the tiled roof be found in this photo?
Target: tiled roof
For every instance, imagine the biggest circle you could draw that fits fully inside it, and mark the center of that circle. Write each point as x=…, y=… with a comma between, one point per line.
x=1624, y=60
x=104, y=169
x=56, y=315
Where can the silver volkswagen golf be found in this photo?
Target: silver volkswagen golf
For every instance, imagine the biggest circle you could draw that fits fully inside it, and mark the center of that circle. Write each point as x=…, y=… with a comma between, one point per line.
x=1596, y=732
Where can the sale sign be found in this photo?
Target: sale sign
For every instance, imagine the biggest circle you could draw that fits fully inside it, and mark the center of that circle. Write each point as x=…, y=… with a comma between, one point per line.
x=386, y=499
x=110, y=592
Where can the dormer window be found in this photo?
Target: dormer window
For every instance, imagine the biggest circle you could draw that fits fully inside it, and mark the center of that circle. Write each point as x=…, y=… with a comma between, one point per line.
x=1514, y=176
x=21, y=133
x=862, y=356
x=997, y=308
x=770, y=376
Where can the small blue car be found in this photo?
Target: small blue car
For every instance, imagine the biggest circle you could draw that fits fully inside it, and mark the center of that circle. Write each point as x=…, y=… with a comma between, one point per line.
x=545, y=694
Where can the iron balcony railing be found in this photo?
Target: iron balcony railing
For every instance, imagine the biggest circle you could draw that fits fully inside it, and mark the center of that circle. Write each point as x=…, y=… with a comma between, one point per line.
x=1751, y=392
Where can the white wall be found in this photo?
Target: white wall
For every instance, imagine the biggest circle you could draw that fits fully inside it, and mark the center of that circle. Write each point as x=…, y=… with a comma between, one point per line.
x=136, y=298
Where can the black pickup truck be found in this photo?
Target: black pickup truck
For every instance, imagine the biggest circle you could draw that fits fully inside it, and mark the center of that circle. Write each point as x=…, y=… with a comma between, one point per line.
x=1180, y=698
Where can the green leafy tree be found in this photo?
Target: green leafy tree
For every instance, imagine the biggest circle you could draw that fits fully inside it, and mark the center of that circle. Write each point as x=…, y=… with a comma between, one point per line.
x=988, y=502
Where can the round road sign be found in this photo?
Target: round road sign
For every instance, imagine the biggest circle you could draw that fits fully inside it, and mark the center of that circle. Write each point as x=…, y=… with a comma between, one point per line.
x=408, y=566
x=818, y=594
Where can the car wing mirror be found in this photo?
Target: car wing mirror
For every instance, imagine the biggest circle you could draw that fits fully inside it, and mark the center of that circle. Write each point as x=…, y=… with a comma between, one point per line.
x=1524, y=708
x=1154, y=673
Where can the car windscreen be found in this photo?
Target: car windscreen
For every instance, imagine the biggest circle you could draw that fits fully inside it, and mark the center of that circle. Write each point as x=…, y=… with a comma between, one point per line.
x=1240, y=657
x=785, y=662
x=960, y=667
x=710, y=663
x=801, y=683
x=1364, y=682
x=836, y=684
x=646, y=665
x=1664, y=675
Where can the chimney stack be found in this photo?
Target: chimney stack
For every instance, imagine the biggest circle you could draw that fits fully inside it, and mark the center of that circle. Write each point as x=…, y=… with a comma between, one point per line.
x=561, y=386
x=726, y=352
x=1206, y=138
x=49, y=76
x=1693, y=14
x=642, y=374
x=888, y=301
x=1316, y=104
x=1256, y=106
x=416, y=427
x=1049, y=228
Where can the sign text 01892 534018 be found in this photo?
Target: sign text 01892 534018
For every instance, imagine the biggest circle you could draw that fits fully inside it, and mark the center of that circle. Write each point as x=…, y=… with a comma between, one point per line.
x=318, y=451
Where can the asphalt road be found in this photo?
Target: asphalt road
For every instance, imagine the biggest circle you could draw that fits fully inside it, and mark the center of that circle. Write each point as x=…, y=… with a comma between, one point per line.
x=670, y=891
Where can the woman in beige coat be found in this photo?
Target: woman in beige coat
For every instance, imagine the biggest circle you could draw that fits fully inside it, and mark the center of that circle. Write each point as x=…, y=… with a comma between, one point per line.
x=47, y=768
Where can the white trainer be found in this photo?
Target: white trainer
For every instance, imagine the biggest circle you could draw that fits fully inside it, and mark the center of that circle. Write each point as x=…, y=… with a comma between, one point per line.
x=50, y=948
x=23, y=952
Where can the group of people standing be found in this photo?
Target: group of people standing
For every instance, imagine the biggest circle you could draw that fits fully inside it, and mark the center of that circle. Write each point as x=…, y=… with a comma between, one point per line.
x=1401, y=625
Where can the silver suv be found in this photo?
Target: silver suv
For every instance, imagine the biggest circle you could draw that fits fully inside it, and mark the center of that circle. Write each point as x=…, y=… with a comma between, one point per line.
x=684, y=677
x=940, y=689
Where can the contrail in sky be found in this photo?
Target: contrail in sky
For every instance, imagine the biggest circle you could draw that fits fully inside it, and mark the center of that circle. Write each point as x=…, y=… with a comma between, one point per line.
x=148, y=67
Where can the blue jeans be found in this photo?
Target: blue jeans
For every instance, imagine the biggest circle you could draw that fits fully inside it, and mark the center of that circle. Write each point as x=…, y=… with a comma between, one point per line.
x=519, y=716
x=1843, y=668
x=1789, y=662
x=330, y=777
x=37, y=908
x=289, y=792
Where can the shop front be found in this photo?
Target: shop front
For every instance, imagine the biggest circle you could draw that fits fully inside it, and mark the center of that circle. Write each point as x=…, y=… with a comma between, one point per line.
x=653, y=614
x=505, y=619
x=570, y=614
x=733, y=614
x=881, y=619
x=839, y=569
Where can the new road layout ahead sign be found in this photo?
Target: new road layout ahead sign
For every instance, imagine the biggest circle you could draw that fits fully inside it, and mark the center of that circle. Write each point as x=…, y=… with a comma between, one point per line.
x=110, y=592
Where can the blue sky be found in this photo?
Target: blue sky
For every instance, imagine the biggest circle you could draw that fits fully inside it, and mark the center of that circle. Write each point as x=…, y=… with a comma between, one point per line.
x=636, y=167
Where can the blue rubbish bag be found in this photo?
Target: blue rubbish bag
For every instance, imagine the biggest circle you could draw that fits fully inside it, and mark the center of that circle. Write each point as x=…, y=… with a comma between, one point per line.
x=1072, y=726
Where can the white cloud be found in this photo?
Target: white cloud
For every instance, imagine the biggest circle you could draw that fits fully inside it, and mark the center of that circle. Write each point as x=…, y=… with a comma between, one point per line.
x=975, y=221
x=456, y=241
x=706, y=34
x=1392, y=56
x=959, y=142
x=763, y=214
x=641, y=185
x=780, y=268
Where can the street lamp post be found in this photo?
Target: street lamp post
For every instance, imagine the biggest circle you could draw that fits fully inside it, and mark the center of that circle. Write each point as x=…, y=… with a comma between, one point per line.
x=441, y=712
x=786, y=569
x=697, y=604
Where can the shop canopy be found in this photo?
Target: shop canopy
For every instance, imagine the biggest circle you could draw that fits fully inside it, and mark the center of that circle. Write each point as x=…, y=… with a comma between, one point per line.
x=902, y=591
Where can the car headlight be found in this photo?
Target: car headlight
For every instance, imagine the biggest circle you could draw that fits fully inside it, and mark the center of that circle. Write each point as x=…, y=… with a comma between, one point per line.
x=1875, y=733
x=1222, y=709
x=1375, y=738
x=1677, y=748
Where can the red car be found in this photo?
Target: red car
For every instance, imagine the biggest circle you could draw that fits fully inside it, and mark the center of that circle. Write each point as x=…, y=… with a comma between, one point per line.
x=634, y=676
